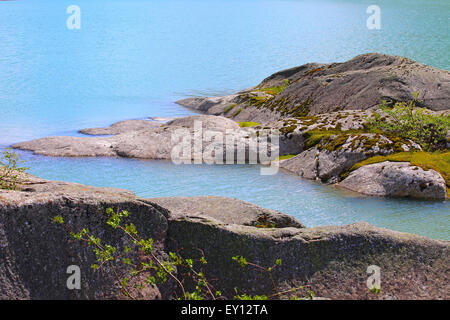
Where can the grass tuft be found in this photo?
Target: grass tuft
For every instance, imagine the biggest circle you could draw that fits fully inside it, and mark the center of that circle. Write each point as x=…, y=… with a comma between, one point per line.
x=244, y=124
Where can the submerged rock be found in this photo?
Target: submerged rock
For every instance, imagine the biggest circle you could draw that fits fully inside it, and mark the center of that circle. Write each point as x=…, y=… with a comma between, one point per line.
x=396, y=179
x=331, y=261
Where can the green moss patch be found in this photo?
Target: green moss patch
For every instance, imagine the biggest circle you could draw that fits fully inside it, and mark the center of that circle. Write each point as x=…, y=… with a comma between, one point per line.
x=244, y=124
x=287, y=156
x=276, y=89
x=256, y=101
x=314, y=138
x=333, y=143
x=288, y=129
x=229, y=107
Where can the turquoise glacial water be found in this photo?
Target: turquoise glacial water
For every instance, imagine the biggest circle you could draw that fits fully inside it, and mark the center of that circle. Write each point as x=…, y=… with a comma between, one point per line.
x=133, y=59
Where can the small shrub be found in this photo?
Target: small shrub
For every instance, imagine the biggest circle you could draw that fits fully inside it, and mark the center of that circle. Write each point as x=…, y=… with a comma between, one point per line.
x=418, y=124
x=150, y=270
x=10, y=169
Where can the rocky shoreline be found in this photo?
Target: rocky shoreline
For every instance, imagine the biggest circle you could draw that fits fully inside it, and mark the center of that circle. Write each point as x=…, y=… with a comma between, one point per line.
x=331, y=261
x=320, y=111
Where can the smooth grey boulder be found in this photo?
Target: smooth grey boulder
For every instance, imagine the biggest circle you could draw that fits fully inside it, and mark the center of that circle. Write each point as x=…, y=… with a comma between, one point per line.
x=330, y=261
x=154, y=143
x=304, y=164
x=396, y=179
x=131, y=138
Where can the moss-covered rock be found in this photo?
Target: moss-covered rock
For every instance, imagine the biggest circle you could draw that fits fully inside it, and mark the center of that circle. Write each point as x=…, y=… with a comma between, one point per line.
x=396, y=179
x=357, y=84
x=331, y=156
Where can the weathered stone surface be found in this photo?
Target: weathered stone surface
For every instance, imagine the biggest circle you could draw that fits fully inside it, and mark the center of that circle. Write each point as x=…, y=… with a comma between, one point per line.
x=207, y=122
x=121, y=127
x=134, y=141
x=35, y=252
x=233, y=106
x=227, y=211
x=204, y=104
x=358, y=84
x=305, y=164
x=396, y=179
x=330, y=261
x=63, y=146
x=337, y=154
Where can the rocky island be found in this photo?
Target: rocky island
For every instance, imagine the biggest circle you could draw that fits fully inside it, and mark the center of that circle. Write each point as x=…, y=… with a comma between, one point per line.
x=322, y=112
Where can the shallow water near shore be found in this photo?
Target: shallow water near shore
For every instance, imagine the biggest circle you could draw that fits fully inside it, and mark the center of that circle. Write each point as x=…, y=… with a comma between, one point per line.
x=133, y=59
x=312, y=203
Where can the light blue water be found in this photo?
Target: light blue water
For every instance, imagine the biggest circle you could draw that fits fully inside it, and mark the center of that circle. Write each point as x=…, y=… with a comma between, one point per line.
x=132, y=59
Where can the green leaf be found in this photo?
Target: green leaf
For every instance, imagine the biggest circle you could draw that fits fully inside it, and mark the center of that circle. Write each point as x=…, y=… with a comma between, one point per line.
x=58, y=219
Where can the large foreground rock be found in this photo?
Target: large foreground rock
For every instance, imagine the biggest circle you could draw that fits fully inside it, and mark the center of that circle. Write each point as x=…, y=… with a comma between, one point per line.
x=396, y=179
x=358, y=84
x=226, y=210
x=35, y=253
x=330, y=261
